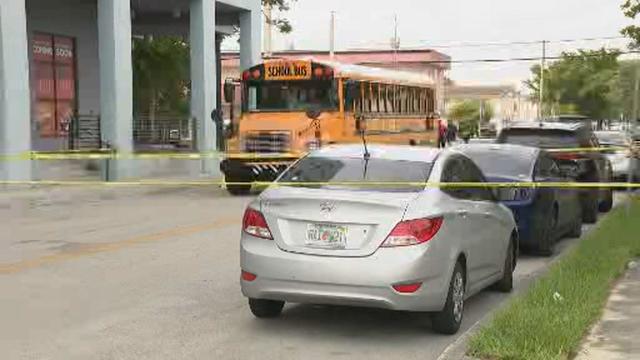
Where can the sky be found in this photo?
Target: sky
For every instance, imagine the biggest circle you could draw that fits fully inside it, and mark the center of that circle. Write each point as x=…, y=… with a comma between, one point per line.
x=445, y=25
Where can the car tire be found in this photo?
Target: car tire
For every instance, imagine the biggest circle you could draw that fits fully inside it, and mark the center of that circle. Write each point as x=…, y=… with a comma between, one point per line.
x=547, y=242
x=265, y=309
x=576, y=231
x=505, y=284
x=607, y=204
x=448, y=320
x=590, y=210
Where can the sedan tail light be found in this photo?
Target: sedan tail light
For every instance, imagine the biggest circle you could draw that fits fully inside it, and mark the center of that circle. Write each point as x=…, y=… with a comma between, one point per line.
x=413, y=232
x=568, y=156
x=255, y=224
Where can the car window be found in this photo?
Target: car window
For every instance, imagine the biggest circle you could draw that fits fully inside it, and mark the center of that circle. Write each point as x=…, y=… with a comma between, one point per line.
x=555, y=169
x=461, y=170
x=501, y=163
x=547, y=168
x=543, y=168
x=542, y=138
x=612, y=139
x=358, y=174
x=476, y=176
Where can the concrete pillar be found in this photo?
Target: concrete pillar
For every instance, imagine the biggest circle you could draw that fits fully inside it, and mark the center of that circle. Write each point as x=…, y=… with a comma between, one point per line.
x=116, y=81
x=203, y=78
x=15, y=98
x=250, y=41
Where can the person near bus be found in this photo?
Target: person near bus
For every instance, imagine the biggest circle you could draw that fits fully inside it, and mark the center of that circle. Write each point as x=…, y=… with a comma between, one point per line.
x=452, y=133
x=442, y=134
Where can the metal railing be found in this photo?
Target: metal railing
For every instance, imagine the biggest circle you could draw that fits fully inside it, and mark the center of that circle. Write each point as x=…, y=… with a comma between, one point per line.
x=164, y=130
x=84, y=132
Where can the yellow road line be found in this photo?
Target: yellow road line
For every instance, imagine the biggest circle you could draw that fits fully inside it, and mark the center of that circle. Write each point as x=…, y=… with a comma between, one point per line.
x=93, y=249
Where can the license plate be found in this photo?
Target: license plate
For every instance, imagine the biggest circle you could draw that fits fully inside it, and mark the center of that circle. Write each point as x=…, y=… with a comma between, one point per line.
x=327, y=236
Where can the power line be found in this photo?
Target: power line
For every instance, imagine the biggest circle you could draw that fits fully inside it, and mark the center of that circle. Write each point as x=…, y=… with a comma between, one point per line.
x=518, y=59
x=512, y=43
x=501, y=44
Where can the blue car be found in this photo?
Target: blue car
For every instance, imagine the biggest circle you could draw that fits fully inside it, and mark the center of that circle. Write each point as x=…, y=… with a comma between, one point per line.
x=543, y=214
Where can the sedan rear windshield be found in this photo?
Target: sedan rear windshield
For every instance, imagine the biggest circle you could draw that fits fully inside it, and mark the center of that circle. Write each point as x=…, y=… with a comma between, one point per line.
x=502, y=164
x=358, y=174
x=541, y=138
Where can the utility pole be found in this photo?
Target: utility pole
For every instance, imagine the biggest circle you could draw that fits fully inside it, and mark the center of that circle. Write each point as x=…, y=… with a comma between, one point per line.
x=395, y=42
x=332, y=36
x=543, y=62
x=268, y=31
x=636, y=92
x=395, y=45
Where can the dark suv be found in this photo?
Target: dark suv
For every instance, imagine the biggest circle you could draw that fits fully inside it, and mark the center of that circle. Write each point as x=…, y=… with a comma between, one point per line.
x=582, y=165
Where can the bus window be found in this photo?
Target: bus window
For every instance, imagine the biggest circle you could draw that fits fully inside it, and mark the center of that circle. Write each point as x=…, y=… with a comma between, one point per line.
x=375, y=98
x=291, y=95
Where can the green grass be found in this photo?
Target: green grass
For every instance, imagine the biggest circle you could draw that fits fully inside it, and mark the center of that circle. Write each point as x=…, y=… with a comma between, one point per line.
x=535, y=325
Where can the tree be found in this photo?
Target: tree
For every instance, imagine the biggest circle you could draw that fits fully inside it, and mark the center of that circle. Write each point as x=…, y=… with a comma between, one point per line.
x=625, y=90
x=161, y=75
x=581, y=82
x=282, y=24
x=467, y=114
x=631, y=9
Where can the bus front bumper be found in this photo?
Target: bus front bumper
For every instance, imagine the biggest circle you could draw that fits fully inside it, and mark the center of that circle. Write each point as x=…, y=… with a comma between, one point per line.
x=255, y=168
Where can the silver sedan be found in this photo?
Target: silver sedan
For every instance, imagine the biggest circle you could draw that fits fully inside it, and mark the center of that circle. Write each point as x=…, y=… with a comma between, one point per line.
x=353, y=226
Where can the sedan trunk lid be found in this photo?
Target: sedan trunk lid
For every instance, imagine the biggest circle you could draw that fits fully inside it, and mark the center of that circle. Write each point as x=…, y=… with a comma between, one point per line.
x=337, y=223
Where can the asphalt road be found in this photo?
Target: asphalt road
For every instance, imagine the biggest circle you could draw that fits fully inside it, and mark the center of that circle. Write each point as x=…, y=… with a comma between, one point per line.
x=153, y=273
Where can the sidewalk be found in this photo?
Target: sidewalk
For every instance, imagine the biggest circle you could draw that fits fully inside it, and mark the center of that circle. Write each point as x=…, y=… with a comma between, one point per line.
x=616, y=335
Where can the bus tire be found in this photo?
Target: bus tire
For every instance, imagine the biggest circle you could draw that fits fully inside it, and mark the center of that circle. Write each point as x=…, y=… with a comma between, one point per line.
x=238, y=190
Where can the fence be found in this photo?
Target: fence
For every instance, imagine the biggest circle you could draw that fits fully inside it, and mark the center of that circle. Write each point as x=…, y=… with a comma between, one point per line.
x=84, y=132
x=164, y=130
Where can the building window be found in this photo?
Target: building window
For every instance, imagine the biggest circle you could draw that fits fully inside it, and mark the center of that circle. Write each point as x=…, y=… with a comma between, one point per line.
x=54, y=62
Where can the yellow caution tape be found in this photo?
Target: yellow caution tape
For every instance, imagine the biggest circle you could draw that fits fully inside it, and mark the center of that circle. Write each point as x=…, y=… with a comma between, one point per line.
x=531, y=185
x=111, y=155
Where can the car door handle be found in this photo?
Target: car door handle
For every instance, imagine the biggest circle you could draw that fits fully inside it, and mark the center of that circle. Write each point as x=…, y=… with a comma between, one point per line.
x=486, y=214
x=463, y=213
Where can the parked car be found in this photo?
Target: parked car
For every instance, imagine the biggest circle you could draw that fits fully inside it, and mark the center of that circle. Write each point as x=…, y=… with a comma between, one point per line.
x=619, y=142
x=341, y=238
x=568, y=143
x=543, y=215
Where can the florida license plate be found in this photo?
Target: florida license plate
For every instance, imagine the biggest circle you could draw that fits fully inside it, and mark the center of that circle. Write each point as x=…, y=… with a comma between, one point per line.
x=327, y=236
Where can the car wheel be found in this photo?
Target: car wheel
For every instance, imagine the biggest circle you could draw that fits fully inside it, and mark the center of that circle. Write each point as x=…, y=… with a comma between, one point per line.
x=607, y=204
x=576, y=231
x=545, y=247
x=265, y=309
x=590, y=209
x=505, y=284
x=448, y=320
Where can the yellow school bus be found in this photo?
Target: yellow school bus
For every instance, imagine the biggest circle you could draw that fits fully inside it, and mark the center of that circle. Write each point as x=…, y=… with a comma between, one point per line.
x=290, y=107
